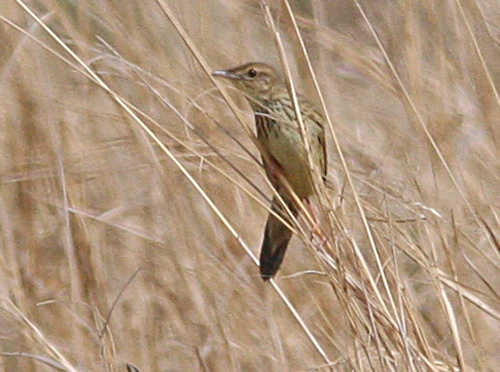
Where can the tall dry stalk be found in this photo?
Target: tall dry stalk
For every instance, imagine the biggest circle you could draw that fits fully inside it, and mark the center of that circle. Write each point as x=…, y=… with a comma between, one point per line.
x=132, y=201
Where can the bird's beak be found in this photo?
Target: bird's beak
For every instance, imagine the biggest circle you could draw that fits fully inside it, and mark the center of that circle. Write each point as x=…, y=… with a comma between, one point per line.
x=226, y=74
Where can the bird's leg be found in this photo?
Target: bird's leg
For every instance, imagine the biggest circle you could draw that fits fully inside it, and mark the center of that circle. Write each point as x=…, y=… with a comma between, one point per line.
x=316, y=227
x=274, y=170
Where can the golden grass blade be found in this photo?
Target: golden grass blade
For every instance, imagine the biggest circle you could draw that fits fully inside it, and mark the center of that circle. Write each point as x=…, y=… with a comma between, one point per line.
x=38, y=335
x=419, y=118
x=200, y=190
x=487, y=72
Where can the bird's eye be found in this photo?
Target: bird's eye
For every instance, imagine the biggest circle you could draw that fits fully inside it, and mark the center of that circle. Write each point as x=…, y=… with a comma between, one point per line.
x=252, y=73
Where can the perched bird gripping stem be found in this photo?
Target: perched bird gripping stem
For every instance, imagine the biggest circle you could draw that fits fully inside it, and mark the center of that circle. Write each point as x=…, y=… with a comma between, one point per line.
x=283, y=151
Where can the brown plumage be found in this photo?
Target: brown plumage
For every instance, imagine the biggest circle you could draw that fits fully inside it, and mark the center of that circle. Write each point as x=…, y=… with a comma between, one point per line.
x=283, y=151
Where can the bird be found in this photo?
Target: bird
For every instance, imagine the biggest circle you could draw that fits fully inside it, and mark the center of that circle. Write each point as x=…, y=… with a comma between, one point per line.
x=283, y=151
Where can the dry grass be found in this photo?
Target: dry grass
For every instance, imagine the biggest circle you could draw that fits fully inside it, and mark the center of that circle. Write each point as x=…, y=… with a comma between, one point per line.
x=130, y=192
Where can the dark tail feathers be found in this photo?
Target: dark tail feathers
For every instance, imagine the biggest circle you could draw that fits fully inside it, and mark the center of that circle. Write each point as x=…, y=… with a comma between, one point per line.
x=276, y=239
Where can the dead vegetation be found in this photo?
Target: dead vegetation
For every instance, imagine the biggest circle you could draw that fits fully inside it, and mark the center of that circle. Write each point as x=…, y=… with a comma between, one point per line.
x=131, y=200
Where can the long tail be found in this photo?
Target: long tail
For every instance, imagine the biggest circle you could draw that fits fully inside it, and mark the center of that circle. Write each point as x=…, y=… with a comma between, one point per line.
x=276, y=239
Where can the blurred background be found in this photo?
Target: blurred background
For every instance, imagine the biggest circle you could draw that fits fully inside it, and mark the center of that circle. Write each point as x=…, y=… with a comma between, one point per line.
x=110, y=255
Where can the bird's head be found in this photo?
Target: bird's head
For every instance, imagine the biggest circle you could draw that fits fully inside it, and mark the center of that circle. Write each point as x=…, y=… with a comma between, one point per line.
x=255, y=80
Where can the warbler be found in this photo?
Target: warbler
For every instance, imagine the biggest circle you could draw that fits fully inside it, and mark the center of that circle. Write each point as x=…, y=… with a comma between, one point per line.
x=283, y=150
